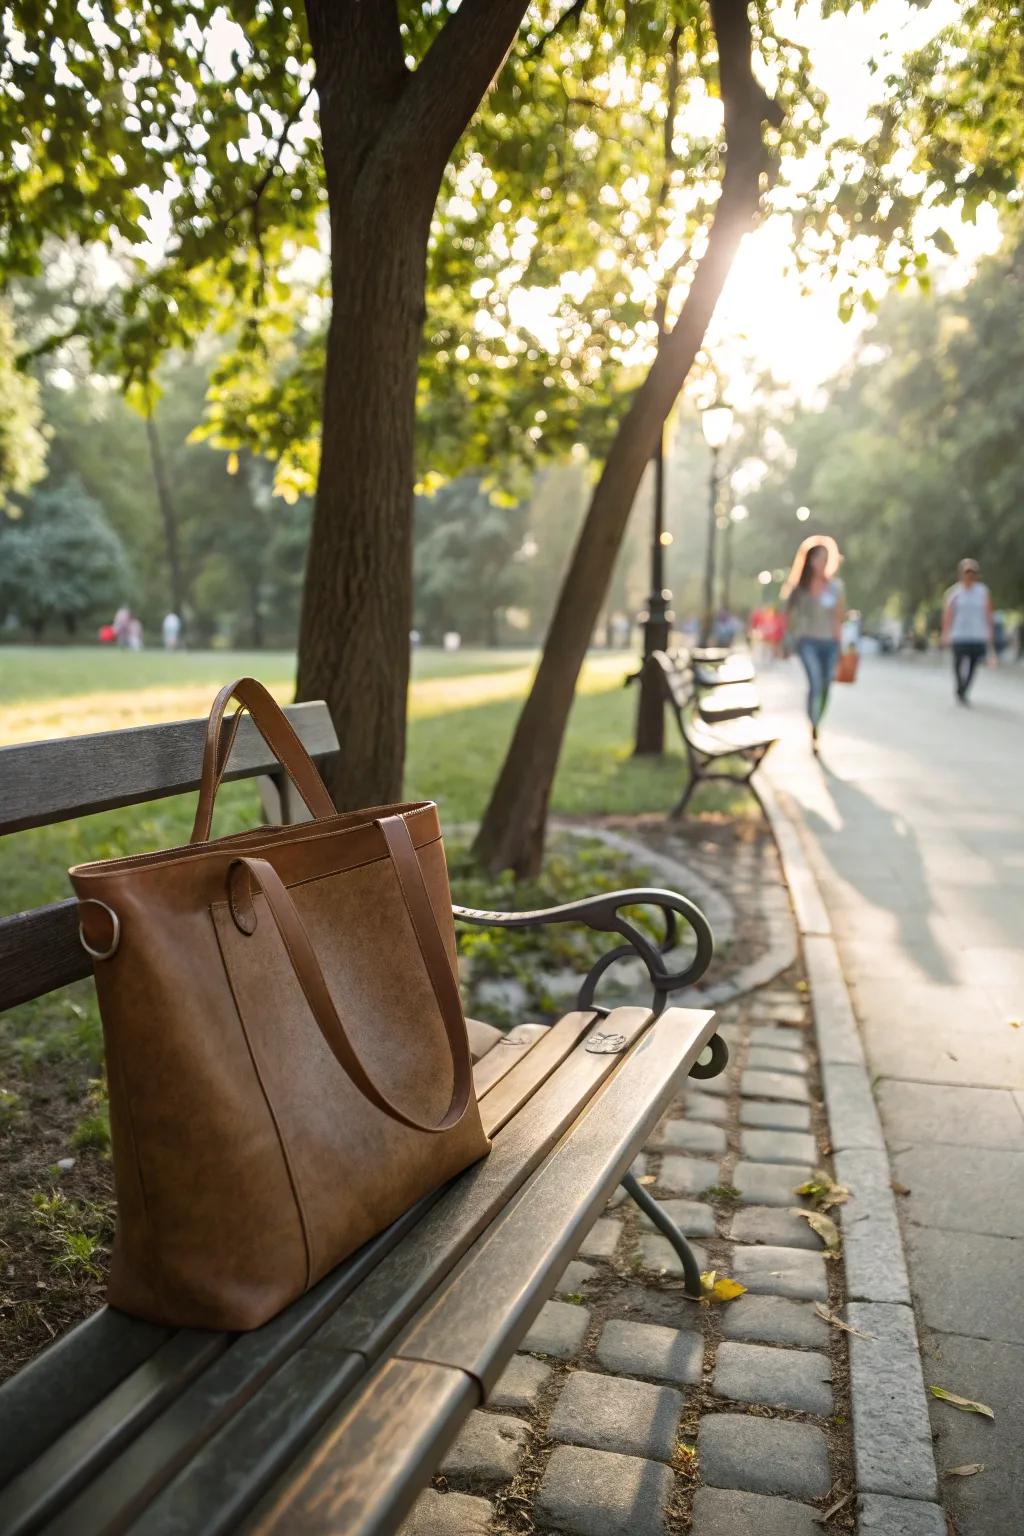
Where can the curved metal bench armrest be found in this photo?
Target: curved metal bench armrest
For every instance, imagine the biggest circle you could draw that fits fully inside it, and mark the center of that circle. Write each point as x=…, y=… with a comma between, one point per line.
x=605, y=914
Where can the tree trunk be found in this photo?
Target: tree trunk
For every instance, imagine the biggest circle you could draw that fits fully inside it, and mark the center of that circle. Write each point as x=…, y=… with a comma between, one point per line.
x=168, y=514
x=357, y=599
x=387, y=134
x=511, y=835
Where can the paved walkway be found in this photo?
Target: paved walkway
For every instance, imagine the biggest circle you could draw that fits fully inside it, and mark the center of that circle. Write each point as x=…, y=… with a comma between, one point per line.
x=914, y=823
x=631, y=1411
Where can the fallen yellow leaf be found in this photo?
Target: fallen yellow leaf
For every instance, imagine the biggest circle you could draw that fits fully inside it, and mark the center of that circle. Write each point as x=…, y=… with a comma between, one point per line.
x=822, y=1190
x=719, y=1288
x=825, y=1228
x=966, y=1403
x=967, y=1470
x=1015, y=1023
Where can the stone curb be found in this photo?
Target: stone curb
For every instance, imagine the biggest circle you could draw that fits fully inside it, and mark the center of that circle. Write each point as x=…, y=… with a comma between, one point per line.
x=893, y=1448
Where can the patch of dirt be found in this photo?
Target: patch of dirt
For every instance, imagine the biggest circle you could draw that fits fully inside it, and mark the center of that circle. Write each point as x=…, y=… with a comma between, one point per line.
x=56, y=1224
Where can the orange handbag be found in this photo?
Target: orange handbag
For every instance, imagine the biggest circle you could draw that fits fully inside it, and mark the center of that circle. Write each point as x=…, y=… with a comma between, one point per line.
x=846, y=667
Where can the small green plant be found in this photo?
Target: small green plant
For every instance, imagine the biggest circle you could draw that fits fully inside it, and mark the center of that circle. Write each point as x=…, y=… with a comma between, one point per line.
x=722, y=1192
x=575, y=1297
x=92, y=1133
x=75, y=1232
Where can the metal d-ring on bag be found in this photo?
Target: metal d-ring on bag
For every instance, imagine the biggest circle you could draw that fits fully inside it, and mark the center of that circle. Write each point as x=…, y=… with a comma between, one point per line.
x=287, y=1057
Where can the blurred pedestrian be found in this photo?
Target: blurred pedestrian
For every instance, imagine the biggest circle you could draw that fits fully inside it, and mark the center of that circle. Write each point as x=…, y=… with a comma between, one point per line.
x=816, y=606
x=967, y=625
x=171, y=629
x=133, y=638
x=121, y=624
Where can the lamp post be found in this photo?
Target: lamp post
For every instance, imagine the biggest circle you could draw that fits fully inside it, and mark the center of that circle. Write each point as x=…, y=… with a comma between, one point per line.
x=657, y=624
x=716, y=424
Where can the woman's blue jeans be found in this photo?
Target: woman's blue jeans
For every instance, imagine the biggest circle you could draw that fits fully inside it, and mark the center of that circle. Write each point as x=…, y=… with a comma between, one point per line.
x=819, y=658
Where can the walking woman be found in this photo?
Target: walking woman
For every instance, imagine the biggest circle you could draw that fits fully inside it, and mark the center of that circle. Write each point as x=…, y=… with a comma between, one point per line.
x=967, y=625
x=816, y=606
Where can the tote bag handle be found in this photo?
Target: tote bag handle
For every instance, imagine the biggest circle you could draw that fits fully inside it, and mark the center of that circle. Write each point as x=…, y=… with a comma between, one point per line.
x=275, y=728
x=304, y=963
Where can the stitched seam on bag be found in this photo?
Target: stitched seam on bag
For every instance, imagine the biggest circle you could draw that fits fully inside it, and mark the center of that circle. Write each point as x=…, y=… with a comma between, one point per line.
x=220, y=846
x=345, y=869
x=281, y=1142
x=326, y=874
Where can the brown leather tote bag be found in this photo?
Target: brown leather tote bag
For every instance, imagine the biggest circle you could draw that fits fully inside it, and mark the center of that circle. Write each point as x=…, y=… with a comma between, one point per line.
x=287, y=1056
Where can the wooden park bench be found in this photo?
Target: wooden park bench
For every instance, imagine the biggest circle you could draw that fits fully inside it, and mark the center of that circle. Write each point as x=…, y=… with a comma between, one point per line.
x=333, y=1416
x=716, y=669
x=723, y=687
x=729, y=750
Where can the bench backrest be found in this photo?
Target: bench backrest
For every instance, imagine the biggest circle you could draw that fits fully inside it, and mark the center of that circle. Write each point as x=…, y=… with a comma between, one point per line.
x=676, y=678
x=45, y=782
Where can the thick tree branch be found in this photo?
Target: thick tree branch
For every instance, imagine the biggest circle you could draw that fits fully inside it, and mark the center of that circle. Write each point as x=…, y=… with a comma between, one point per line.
x=450, y=83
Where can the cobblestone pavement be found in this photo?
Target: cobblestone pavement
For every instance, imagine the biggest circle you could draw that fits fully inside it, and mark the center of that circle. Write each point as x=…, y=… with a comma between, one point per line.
x=631, y=1411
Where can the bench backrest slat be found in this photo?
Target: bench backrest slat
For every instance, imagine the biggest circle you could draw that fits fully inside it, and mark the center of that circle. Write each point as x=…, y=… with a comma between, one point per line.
x=39, y=952
x=48, y=781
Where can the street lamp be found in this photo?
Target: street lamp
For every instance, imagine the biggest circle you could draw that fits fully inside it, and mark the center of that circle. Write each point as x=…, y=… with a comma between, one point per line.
x=657, y=623
x=802, y=514
x=716, y=424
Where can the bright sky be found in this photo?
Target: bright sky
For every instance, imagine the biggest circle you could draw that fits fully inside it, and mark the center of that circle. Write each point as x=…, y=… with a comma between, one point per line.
x=765, y=316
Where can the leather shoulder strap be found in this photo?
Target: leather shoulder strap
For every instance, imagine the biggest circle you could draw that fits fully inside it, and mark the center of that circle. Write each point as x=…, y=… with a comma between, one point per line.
x=311, y=978
x=276, y=730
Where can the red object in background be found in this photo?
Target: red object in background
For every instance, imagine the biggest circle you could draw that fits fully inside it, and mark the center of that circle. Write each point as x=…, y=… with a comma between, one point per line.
x=107, y=634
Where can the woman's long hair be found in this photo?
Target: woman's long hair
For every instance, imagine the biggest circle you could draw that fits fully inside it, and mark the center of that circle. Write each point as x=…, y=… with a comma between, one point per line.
x=800, y=570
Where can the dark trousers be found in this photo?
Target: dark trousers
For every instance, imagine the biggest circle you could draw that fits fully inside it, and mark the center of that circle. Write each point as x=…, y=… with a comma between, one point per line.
x=966, y=655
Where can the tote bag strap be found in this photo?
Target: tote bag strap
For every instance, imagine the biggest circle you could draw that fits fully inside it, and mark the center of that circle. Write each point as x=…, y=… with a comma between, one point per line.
x=435, y=957
x=275, y=728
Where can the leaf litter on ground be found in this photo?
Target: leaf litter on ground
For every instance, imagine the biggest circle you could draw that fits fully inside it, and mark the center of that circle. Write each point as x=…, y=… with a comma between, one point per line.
x=826, y=1229
x=716, y=1287
x=837, y=1322
x=969, y=1469
x=967, y=1404
x=822, y=1191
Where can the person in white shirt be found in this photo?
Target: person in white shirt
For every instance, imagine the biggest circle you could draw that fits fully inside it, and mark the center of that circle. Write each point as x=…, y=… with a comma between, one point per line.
x=967, y=625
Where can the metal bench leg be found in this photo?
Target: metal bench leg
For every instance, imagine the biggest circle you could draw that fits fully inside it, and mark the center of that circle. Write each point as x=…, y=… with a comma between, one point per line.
x=667, y=1227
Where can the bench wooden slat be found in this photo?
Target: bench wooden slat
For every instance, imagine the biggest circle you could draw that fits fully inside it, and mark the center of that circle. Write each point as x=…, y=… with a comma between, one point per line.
x=69, y=1461
x=39, y=952
x=47, y=781
x=729, y=703
x=258, y=1433
x=382, y=1305
x=358, y=1477
x=46, y=1397
x=512, y=1268
x=505, y=1054
x=525, y=1075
